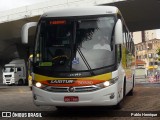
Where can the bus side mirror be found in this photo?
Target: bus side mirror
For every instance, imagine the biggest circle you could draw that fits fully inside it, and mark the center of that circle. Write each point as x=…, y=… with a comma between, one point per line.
x=118, y=32
x=24, y=32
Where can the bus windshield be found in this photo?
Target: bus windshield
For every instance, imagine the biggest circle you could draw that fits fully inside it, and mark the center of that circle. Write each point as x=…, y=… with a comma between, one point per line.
x=75, y=44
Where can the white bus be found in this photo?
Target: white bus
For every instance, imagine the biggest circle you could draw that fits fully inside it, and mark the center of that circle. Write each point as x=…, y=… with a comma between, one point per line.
x=85, y=57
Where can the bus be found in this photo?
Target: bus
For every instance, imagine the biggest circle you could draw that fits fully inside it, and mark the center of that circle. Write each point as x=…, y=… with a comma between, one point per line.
x=73, y=68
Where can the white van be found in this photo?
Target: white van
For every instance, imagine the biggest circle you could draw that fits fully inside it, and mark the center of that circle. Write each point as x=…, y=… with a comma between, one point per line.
x=14, y=72
x=140, y=72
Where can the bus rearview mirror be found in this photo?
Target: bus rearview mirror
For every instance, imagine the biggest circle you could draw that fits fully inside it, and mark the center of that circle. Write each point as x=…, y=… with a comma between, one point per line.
x=24, y=32
x=118, y=32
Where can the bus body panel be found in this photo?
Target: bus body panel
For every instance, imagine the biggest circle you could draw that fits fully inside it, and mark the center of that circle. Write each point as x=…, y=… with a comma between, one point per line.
x=81, y=11
x=96, y=98
x=121, y=74
x=128, y=67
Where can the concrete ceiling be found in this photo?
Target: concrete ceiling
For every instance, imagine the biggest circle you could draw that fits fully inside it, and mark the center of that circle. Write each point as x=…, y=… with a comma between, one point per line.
x=140, y=14
x=10, y=33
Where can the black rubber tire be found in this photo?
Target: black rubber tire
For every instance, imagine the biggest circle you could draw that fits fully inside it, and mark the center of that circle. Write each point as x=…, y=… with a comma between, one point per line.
x=20, y=82
x=131, y=91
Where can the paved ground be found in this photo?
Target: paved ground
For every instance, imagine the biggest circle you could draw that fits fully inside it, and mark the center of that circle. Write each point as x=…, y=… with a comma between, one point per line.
x=146, y=98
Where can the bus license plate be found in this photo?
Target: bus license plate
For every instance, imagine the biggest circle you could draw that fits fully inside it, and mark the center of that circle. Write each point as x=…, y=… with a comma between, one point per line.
x=71, y=99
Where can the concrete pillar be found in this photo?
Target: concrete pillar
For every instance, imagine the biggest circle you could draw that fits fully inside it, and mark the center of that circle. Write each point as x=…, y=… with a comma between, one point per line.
x=23, y=54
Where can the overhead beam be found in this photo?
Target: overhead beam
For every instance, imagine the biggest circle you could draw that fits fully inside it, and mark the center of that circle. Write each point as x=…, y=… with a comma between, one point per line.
x=140, y=14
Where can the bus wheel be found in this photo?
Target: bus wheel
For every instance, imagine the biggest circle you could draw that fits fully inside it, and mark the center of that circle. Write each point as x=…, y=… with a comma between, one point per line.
x=20, y=82
x=131, y=91
x=118, y=106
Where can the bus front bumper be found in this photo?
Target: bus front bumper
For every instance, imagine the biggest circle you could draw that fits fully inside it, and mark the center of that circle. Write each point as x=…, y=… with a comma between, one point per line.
x=103, y=97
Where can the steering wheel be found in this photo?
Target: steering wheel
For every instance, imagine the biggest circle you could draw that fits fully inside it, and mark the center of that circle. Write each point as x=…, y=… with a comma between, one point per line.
x=59, y=60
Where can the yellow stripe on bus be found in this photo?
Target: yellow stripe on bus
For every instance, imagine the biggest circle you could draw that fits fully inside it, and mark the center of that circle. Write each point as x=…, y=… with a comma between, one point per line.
x=106, y=76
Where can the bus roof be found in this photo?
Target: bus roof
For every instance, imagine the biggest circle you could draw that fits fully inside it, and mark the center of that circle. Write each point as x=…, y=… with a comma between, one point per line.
x=81, y=11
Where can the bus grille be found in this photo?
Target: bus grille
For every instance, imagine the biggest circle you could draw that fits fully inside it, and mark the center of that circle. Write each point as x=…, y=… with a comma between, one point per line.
x=7, y=75
x=75, y=89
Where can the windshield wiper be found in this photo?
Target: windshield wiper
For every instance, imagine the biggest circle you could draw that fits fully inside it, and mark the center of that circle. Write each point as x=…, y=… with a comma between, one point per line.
x=79, y=51
x=85, y=61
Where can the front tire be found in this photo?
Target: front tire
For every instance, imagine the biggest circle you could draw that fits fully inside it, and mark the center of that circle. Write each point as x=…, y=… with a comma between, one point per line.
x=131, y=91
x=20, y=82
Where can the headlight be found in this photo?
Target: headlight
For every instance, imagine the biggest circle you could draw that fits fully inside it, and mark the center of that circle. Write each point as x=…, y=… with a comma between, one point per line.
x=39, y=85
x=107, y=83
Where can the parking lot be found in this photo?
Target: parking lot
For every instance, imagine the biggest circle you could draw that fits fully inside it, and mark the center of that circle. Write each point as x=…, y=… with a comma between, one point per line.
x=18, y=99
x=145, y=99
